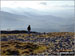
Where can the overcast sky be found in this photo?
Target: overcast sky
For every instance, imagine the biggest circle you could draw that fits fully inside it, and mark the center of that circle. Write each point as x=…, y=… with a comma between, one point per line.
x=62, y=9
x=38, y=5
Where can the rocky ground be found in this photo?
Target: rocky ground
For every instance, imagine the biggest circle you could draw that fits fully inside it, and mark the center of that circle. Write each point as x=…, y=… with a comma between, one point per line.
x=35, y=44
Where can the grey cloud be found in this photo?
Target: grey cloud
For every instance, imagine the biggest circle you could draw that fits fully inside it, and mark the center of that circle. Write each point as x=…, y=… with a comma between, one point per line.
x=67, y=6
x=43, y=3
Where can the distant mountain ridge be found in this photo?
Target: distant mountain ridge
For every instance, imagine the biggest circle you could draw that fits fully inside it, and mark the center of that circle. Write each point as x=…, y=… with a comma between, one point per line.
x=39, y=23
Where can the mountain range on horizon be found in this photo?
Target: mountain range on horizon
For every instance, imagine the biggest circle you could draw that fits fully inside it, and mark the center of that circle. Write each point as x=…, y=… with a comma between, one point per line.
x=40, y=23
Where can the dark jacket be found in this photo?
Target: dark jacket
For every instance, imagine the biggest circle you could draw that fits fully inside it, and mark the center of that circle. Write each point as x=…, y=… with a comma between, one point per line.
x=29, y=28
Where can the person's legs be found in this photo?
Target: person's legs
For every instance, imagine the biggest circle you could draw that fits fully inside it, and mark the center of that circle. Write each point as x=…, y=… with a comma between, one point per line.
x=29, y=33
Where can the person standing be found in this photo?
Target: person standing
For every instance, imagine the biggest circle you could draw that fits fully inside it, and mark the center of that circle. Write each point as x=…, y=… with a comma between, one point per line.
x=29, y=29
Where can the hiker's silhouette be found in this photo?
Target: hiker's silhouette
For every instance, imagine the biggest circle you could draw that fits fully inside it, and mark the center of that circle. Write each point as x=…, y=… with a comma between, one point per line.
x=29, y=29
